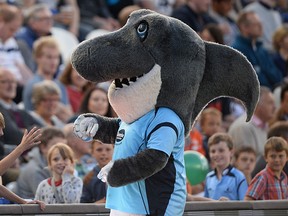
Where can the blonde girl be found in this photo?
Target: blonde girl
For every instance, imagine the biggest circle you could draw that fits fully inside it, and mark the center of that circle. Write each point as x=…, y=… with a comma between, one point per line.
x=63, y=186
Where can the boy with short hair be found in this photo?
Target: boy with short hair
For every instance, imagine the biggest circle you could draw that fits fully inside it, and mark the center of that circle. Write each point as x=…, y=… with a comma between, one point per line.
x=210, y=123
x=245, y=161
x=225, y=180
x=271, y=182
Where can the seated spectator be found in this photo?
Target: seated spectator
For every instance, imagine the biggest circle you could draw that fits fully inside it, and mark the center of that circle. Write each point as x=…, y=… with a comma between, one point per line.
x=66, y=14
x=94, y=190
x=278, y=129
x=254, y=132
x=225, y=180
x=16, y=119
x=269, y=17
x=271, y=183
x=29, y=140
x=32, y=173
x=84, y=161
x=75, y=85
x=62, y=186
x=12, y=53
x=248, y=43
x=210, y=123
x=46, y=53
x=96, y=101
x=46, y=98
x=245, y=161
x=38, y=22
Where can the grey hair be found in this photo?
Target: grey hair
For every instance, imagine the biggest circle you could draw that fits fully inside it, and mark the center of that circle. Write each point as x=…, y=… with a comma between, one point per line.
x=33, y=10
x=46, y=87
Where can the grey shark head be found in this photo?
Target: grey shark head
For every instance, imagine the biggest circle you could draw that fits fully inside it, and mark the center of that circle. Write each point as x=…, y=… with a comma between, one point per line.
x=158, y=61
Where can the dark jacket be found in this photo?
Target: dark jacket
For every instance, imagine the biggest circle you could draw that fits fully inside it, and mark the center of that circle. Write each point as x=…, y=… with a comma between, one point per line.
x=94, y=189
x=268, y=74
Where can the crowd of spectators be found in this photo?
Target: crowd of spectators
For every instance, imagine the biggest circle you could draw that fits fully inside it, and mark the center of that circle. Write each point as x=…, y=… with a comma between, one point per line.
x=39, y=87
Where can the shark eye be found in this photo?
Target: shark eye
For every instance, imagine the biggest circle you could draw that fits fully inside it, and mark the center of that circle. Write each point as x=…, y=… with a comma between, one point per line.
x=142, y=30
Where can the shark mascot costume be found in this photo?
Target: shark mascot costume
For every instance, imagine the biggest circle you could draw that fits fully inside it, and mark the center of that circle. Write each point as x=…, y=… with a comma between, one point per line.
x=163, y=75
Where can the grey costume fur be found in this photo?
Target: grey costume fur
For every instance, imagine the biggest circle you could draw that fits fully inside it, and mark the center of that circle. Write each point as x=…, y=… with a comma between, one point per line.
x=193, y=72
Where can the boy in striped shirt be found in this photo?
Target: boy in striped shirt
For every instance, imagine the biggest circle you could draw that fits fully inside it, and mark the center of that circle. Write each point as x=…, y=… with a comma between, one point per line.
x=271, y=182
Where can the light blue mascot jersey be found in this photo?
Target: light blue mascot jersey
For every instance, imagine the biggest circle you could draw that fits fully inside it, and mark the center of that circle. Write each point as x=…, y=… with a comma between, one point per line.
x=164, y=193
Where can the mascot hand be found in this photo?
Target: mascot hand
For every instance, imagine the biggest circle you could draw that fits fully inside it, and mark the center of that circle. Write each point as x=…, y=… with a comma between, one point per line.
x=104, y=171
x=85, y=127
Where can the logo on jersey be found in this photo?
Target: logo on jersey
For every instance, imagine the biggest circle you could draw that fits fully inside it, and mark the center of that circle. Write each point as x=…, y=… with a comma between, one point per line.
x=120, y=135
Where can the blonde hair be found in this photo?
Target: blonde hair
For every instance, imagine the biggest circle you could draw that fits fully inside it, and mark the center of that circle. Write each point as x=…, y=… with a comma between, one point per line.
x=209, y=111
x=46, y=87
x=277, y=144
x=65, y=151
x=45, y=41
x=278, y=37
x=2, y=121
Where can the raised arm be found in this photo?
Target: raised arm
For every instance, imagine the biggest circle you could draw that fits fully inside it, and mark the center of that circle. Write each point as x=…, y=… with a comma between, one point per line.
x=29, y=140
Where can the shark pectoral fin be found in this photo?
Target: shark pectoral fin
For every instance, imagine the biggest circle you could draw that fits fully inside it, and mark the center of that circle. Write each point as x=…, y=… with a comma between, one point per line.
x=227, y=73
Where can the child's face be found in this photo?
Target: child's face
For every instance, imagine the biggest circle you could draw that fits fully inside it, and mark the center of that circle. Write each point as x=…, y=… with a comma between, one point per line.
x=57, y=163
x=246, y=162
x=102, y=153
x=220, y=155
x=211, y=125
x=276, y=160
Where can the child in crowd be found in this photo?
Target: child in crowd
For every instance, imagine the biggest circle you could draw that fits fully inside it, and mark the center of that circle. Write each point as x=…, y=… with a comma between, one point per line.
x=84, y=161
x=29, y=140
x=245, y=161
x=94, y=190
x=63, y=186
x=271, y=182
x=225, y=180
x=32, y=173
x=210, y=123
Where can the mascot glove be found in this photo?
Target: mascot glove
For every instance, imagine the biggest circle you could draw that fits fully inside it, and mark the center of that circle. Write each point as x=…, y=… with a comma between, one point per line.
x=85, y=127
x=104, y=171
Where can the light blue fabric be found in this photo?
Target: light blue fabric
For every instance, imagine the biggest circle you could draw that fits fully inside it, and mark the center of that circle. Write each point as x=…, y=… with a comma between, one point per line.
x=133, y=198
x=233, y=184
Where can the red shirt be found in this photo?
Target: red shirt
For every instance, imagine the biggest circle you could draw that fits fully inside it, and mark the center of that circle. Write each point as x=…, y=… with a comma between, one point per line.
x=75, y=98
x=266, y=186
